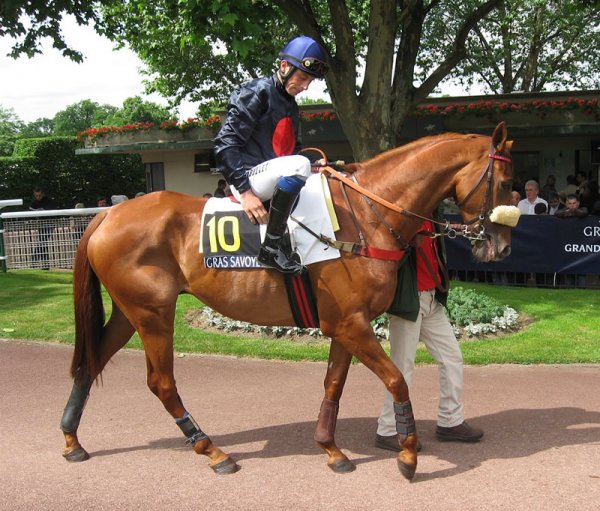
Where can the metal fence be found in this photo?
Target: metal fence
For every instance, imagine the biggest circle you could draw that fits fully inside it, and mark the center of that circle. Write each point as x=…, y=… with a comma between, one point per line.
x=49, y=240
x=43, y=239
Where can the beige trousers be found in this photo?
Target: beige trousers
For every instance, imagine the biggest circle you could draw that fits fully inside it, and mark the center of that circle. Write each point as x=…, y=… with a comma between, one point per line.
x=433, y=328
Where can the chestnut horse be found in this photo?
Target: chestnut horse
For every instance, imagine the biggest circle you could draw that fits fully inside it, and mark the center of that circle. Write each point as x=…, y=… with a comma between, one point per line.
x=145, y=253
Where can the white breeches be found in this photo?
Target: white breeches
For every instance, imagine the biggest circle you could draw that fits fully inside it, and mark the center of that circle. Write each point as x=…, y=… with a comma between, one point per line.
x=264, y=177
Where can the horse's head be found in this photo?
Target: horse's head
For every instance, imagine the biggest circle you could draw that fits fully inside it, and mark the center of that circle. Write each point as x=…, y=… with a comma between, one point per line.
x=483, y=192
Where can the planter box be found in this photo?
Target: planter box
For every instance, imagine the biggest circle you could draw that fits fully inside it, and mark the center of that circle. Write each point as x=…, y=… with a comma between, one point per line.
x=151, y=136
x=518, y=119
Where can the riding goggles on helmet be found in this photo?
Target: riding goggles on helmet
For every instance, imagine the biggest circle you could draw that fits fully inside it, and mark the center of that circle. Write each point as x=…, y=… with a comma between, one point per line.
x=314, y=66
x=310, y=65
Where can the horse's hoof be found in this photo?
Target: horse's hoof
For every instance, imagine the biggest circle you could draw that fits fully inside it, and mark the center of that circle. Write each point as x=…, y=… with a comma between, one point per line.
x=227, y=466
x=407, y=471
x=77, y=454
x=342, y=466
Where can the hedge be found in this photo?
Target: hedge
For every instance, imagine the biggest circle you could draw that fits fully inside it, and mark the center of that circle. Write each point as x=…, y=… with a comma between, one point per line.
x=69, y=179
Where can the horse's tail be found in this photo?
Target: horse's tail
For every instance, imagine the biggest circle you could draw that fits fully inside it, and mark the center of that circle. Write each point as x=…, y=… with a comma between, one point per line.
x=89, y=310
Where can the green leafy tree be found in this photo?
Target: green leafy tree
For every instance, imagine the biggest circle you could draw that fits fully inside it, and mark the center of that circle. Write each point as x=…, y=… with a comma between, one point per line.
x=42, y=127
x=81, y=115
x=10, y=126
x=28, y=22
x=385, y=56
x=137, y=110
x=524, y=45
x=202, y=49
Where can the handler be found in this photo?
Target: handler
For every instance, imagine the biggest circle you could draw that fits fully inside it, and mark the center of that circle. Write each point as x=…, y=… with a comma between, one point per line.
x=418, y=313
x=256, y=148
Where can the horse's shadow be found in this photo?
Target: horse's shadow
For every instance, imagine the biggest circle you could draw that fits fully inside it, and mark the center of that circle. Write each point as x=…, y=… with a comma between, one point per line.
x=508, y=434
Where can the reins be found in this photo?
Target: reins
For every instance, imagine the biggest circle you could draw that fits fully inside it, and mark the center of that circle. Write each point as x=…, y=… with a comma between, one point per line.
x=449, y=230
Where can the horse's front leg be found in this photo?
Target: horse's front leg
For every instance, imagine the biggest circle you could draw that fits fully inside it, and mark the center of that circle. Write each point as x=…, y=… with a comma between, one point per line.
x=359, y=339
x=374, y=357
x=337, y=371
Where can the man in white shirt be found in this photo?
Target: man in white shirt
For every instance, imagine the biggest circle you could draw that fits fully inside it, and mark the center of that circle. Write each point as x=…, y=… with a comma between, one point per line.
x=527, y=205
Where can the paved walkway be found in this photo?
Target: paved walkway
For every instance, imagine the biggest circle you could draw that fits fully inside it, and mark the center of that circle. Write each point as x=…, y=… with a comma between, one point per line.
x=541, y=449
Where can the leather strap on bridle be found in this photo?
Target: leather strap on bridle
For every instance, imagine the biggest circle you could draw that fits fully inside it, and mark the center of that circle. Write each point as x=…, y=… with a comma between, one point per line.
x=395, y=255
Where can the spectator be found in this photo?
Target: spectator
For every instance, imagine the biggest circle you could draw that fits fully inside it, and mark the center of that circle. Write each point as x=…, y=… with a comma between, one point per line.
x=540, y=209
x=554, y=203
x=139, y=194
x=527, y=205
x=571, y=187
x=518, y=183
x=102, y=202
x=589, y=197
x=220, y=191
x=580, y=180
x=42, y=202
x=117, y=199
x=516, y=197
x=549, y=187
x=418, y=314
x=207, y=195
x=572, y=208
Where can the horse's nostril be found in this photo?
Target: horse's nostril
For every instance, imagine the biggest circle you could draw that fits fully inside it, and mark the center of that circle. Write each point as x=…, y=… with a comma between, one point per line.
x=505, y=252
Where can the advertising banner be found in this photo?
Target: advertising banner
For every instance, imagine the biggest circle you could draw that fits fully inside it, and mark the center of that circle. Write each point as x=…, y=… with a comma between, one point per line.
x=540, y=244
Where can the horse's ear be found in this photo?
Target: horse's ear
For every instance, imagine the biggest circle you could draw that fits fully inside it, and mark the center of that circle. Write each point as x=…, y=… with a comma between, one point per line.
x=499, y=136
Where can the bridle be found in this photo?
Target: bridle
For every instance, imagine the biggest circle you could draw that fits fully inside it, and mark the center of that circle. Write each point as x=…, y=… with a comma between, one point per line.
x=478, y=231
x=466, y=229
x=451, y=230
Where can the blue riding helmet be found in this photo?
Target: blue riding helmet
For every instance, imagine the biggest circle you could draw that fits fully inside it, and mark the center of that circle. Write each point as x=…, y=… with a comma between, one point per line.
x=306, y=54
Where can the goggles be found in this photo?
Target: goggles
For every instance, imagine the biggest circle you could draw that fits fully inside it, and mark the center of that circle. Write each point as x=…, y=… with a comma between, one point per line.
x=314, y=66
x=310, y=65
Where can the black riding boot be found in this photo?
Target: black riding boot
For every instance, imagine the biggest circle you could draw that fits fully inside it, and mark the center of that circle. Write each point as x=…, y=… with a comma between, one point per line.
x=270, y=252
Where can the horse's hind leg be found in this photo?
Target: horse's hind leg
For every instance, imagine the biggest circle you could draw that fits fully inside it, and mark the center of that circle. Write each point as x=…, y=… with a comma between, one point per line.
x=161, y=381
x=117, y=332
x=337, y=371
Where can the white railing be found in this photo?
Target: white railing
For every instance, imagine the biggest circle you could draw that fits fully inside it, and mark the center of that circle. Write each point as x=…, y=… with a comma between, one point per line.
x=43, y=239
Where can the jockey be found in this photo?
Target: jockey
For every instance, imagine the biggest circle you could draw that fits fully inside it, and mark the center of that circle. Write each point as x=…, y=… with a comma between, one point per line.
x=256, y=148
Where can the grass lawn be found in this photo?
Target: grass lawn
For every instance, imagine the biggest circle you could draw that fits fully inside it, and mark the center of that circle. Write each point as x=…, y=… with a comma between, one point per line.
x=566, y=324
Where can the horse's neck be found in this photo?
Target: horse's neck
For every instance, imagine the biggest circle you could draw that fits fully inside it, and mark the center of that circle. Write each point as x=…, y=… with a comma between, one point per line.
x=419, y=178
x=416, y=181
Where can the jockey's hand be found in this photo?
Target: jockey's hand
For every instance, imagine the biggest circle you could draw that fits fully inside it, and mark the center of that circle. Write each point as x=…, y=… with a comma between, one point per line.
x=253, y=207
x=318, y=163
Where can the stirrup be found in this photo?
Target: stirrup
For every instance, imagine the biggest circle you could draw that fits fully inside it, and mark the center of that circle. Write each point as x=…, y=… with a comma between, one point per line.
x=277, y=259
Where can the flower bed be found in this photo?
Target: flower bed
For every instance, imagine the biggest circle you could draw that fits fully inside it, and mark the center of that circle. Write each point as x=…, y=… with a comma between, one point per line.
x=472, y=315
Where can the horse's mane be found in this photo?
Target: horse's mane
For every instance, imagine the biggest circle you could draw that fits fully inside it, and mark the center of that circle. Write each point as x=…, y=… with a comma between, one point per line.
x=405, y=150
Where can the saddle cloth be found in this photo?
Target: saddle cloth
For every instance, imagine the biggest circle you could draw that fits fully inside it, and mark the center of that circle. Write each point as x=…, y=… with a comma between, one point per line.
x=229, y=240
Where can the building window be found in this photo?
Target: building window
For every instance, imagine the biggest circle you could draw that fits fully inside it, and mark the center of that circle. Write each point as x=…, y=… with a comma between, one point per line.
x=155, y=176
x=205, y=162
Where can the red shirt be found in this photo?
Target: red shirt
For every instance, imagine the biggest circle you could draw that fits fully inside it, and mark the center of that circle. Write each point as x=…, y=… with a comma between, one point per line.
x=425, y=281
